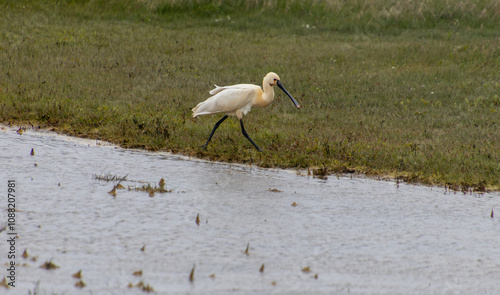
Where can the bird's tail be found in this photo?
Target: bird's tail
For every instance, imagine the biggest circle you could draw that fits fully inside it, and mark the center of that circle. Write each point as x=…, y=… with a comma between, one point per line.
x=205, y=107
x=194, y=111
x=201, y=109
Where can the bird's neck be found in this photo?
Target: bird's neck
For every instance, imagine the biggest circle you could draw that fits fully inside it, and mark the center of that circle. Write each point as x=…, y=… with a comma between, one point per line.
x=267, y=96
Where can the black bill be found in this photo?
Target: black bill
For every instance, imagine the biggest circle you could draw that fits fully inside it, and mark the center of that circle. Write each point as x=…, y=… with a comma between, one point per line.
x=289, y=95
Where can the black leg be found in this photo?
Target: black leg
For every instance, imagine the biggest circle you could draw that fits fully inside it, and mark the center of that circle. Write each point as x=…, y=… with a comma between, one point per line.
x=213, y=130
x=248, y=137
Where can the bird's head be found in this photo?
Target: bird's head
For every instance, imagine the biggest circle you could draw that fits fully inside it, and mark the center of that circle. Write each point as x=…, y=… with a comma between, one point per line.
x=273, y=79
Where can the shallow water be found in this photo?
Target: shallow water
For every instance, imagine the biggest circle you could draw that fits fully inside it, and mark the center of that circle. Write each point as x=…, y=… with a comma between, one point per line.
x=359, y=236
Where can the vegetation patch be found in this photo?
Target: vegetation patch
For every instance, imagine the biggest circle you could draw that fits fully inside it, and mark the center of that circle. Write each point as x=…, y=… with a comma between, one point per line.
x=399, y=88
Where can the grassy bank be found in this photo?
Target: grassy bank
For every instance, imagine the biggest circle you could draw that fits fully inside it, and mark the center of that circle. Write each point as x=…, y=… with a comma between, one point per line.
x=386, y=87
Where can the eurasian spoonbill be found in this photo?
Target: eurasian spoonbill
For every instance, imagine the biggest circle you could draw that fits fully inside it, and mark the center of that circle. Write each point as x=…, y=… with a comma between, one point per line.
x=237, y=100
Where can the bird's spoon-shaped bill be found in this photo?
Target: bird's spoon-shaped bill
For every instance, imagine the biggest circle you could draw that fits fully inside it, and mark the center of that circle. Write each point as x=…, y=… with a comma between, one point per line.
x=289, y=95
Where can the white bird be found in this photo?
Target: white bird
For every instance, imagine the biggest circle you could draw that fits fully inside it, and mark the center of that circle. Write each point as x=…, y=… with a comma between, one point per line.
x=237, y=100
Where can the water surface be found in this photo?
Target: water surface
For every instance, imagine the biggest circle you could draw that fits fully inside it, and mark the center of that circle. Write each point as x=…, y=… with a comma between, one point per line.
x=355, y=235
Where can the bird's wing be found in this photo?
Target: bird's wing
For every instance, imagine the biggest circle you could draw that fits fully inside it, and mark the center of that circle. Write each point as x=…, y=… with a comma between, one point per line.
x=227, y=99
x=238, y=86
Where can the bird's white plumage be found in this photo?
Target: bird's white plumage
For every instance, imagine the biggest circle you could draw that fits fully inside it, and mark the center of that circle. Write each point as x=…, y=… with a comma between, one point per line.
x=217, y=89
x=234, y=100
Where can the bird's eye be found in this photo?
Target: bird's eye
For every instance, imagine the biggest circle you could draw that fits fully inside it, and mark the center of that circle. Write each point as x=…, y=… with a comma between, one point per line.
x=275, y=80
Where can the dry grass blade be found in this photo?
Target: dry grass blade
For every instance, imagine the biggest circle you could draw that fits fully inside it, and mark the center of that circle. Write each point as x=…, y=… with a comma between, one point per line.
x=49, y=265
x=78, y=274
x=191, y=275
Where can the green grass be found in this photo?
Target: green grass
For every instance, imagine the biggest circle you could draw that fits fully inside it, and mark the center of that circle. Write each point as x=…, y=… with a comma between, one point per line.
x=398, y=88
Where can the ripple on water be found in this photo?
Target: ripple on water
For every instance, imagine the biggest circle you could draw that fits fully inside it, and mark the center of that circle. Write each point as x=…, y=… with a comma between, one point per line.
x=354, y=235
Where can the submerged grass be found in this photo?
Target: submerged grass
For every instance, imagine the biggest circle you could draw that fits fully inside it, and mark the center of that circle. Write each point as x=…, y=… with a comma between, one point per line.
x=408, y=89
x=109, y=177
